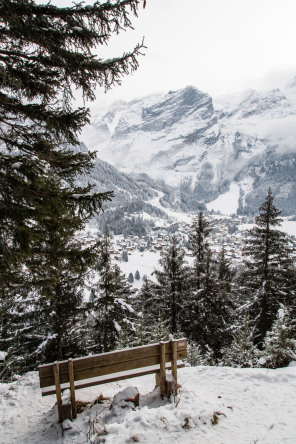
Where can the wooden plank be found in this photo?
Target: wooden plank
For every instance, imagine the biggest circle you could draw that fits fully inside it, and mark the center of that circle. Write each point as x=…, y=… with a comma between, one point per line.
x=72, y=388
x=81, y=385
x=101, y=370
x=58, y=389
x=104, y=359
x=113, y=362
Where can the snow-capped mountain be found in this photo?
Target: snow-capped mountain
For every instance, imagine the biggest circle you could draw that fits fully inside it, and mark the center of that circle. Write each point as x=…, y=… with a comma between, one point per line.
x=238, y=144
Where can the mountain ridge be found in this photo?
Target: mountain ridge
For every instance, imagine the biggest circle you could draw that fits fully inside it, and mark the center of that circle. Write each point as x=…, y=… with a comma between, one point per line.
x=201, y=146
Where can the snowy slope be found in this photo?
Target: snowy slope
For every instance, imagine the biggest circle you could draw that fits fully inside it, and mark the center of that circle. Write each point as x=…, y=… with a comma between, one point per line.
x=203, y=145
x=215, y=405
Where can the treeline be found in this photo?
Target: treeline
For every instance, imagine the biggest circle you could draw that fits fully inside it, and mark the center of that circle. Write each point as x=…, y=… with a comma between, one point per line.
x=127, y=220
x=242, y=317
x=48, y=55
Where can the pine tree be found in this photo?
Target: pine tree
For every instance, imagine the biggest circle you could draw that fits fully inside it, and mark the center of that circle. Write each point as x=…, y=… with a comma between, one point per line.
x=137, y=275
x=210, y=310
x=124, y=256
x=173, y=283
x=242, y=352
x=279, y=347
x=268, y=277
x=130, y=278
x=198, y=239
x=159, y=330
x=194, y=354
x=46, y=53
x=110, y=305
x=147, y=305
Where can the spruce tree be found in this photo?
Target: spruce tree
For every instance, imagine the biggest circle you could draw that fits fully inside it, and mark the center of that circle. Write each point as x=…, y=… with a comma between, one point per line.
x=172, y=284
x=47, y=52
x=159, y=330
x=279, y=347
x=110, y=305
x=242, y=352
x=210, y=310
x=268, y=277
x=198, y=240
x=147, y=304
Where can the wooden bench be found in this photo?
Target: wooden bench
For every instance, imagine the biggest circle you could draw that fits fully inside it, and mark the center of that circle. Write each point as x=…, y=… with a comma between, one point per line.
x=88, y=371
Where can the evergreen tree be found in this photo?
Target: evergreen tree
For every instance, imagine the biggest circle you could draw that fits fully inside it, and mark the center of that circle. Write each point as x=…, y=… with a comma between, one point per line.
x=147, y=303
x=110, y=305
x=137, y=275
x=142, y=332
x=198, y=239
x=124, y=256
x=130, y=278
x=210, y=310
x=173, y=283
x=242, y=352
x=46, y=52
x=194, y=355
x=225, y=273
x=279, y=347
x=268, y=277
x=159, y=330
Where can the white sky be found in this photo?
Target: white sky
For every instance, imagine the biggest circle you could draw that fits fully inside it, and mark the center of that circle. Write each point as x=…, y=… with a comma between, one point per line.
x=219, y=46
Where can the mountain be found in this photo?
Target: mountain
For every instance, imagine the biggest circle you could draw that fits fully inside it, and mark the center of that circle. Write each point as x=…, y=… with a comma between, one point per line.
x=135, y=207
x=238, y=144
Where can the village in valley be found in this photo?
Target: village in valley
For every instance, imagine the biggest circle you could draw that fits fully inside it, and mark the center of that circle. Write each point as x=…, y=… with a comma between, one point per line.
x=142, y=253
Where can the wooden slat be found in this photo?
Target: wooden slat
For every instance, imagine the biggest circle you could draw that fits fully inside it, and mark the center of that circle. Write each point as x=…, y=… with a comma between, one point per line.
x=104, y=359
x=113, y=362
x=72, y=387
x=81, y=385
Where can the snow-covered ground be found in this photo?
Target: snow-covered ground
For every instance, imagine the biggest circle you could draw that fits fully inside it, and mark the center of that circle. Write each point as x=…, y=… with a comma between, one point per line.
x=145, y=262
x=216, y=405
x=226, y=203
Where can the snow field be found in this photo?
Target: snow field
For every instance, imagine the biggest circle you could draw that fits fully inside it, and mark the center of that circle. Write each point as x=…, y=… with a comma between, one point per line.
x=216, y=405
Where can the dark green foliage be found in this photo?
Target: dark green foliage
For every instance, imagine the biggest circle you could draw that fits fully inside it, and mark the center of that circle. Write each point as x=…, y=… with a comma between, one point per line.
x=124, y=256
x=46, y=53
x=242, y=352
x=268, y=278
x=159, y=331
x=172, y=284
x=111, y=314
x=210, y=309
x=198, y=239
x=279, y=347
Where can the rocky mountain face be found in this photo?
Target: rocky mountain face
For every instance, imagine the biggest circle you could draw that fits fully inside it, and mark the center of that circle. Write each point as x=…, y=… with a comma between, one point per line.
x=238, y=144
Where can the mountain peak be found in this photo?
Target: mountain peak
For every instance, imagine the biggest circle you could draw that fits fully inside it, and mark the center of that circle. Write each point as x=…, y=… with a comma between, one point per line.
x=248, y=140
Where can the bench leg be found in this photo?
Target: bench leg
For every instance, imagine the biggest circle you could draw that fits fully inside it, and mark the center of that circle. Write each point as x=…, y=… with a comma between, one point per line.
x=72, y=387
x=58, y=389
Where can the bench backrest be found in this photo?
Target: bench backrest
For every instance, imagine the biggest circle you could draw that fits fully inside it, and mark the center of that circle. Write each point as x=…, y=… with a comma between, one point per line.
x=112, y=362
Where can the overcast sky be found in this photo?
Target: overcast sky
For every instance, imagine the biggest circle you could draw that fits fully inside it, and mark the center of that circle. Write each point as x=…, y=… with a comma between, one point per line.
x=219, y=46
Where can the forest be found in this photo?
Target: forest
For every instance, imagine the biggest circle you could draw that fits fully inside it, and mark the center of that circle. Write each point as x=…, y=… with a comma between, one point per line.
x=238, y=317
